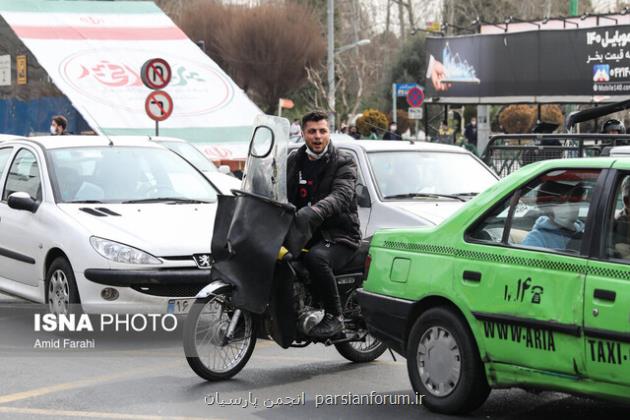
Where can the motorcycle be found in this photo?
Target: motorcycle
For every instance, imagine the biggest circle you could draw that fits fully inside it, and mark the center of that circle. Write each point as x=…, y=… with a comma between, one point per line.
x=259, y=287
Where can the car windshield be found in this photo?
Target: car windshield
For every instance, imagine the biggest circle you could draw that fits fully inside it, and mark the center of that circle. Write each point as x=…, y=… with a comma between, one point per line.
x=126, y=174
x=429, y=175
x=191, y=154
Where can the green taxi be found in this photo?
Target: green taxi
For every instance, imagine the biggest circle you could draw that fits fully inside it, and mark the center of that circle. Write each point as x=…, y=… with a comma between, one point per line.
x=528, y=285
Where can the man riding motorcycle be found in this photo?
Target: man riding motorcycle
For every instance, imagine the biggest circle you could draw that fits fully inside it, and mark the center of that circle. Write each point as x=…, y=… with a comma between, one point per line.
x=321, y=183
x=261, y=281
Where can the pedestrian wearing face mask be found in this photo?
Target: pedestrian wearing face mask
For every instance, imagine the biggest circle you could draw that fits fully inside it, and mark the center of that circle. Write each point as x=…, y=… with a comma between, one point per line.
x=560, y=226
x=58, y=125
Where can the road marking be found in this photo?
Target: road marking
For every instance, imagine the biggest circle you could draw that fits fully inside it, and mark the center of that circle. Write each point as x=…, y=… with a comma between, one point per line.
x=80, y=383
x=293, y=359
x=92, y=414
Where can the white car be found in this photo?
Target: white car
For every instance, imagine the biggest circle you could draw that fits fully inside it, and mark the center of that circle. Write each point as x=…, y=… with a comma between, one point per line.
x=6, y=137
x=114, y=224
x=620, y=151
x=218, y=176
x=406, y=184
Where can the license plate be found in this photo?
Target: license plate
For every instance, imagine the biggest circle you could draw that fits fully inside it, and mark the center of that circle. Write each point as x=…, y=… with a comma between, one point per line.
x=179, y=306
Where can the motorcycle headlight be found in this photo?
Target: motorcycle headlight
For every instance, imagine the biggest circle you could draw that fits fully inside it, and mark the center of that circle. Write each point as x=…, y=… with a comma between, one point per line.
x=121, y=253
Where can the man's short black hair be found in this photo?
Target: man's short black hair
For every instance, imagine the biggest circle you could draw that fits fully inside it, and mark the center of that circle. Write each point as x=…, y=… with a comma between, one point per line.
x=313, y=116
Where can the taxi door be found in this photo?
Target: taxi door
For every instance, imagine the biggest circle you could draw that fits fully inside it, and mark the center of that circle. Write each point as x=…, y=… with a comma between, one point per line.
x=607, y=293
x=527, y=300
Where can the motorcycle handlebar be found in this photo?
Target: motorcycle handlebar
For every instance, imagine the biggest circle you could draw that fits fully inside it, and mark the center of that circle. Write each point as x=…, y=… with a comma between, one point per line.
x=284, y=254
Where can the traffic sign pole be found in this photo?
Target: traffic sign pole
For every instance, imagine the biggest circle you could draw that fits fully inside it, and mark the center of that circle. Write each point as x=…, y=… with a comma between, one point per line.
x=156, y=74
x=394, y=105
x=402, y=89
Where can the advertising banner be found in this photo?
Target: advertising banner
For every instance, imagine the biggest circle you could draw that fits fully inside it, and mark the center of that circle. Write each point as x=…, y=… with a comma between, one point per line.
x=577, y=65
x=94, y=51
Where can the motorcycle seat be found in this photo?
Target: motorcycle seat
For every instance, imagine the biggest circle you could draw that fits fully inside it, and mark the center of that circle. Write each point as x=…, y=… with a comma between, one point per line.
x=355, y=265
x=357, y=262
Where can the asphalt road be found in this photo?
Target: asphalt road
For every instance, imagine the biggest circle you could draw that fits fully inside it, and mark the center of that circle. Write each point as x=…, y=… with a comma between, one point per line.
x=138, y=378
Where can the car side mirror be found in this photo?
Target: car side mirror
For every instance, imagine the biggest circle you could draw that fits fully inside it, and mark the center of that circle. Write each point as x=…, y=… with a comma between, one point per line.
x=22, y=201
x=225, y=169
x=363, y=196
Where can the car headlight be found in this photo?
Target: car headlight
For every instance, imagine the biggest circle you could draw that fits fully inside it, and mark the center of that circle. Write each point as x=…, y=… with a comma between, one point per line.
x=121, y=253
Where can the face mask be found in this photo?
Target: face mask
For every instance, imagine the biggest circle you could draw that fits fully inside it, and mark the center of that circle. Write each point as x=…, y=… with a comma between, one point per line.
x=315, y=156
x=566, y=215
x=393, y=128
x=52, y=130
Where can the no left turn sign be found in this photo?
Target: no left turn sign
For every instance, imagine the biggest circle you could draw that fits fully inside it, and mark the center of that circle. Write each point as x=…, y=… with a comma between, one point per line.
x=156, y=73
x=159, y=105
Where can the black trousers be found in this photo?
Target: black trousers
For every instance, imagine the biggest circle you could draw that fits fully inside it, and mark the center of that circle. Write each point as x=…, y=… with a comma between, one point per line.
x=321, y=261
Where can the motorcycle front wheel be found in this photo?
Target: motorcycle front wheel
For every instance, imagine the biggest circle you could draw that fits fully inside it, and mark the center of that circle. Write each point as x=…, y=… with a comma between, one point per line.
x=211, y=351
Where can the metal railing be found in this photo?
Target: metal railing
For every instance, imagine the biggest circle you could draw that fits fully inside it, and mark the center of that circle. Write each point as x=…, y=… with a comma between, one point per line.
x=507, y=153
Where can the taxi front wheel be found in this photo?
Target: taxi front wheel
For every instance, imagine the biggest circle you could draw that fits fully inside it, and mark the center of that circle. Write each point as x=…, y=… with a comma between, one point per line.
x=444, y=364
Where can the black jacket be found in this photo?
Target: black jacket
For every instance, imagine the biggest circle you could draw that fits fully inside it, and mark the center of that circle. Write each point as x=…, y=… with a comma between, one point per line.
x=334, y=193
x=392, y=135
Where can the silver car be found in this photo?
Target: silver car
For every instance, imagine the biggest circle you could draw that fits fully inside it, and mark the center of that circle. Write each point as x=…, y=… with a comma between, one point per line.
x=402, y=184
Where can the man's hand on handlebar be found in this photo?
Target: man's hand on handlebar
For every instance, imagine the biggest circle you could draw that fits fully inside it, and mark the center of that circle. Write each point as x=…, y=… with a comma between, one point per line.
x=304, y=225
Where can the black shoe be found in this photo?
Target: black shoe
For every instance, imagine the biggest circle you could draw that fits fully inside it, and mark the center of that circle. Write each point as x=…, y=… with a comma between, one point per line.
x=330, y=326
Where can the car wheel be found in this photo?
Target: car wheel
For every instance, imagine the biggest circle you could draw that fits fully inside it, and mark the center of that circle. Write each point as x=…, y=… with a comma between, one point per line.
x=444, y=364
x=62, y=294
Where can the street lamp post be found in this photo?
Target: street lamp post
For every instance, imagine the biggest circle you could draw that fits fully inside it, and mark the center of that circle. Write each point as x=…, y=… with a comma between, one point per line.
x=350, y=46
x=331, y=61
x=331, y=64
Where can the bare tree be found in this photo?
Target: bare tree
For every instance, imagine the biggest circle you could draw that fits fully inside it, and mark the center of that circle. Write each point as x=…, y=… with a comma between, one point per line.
x=462, y=12
x=406, y=7
x=359, y=72
x=266, y=49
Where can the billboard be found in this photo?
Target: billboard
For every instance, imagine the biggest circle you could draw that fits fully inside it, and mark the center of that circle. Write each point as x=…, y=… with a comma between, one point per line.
x=579, y=65
x=93, y=52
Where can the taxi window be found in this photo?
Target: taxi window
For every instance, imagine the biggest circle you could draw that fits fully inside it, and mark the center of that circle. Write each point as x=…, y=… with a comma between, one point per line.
x=548, y=213
x=24, y=176
x=618, y=234
x=492, y=227
x=5, y=154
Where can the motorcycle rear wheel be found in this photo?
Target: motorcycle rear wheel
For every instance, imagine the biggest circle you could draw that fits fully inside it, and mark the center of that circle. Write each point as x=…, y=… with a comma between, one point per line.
x=359, y=351
x=362, y=352
x=209, y=352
